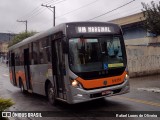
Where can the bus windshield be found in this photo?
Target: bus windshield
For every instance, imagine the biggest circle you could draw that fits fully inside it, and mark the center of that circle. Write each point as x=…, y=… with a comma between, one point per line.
x=95, y=54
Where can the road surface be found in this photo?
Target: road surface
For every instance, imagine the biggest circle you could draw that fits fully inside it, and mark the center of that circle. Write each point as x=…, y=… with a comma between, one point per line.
x=144, y=96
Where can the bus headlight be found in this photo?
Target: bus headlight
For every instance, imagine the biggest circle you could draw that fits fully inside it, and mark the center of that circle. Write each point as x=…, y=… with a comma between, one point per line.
x=75, y=83
x=127, y=77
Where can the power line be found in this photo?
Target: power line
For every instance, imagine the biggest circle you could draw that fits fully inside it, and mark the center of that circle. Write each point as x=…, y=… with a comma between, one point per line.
x=77, y=9
x=112, y=10
x=47, y=2
x=41, y=10
x=128, y=14
x=16, y=26
x=36, y=13
x=53, y=7
x=133, y=11
x=55, y=2
x=50, y=1
x=125, y=13
x=31, y=12
x=37, y=10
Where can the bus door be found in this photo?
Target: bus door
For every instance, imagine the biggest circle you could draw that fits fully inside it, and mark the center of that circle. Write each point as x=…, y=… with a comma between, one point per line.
x=58, y=68
x=27, y=69
x=13, y=68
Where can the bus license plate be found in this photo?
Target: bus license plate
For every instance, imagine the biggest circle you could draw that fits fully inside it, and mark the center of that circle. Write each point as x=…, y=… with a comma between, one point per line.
x=107, y=92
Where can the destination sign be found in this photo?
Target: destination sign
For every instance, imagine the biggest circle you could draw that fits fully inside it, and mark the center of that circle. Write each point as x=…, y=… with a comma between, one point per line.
x=94, y=29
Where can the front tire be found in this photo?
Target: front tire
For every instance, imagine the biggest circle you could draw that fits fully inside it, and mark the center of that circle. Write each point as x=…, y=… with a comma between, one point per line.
x=51, y=93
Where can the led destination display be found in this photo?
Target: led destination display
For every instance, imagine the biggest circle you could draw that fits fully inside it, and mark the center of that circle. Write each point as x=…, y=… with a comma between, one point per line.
x=87, y=29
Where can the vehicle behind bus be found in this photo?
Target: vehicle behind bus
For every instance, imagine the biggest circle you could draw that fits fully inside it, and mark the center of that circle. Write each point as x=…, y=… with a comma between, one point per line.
x=72, y=62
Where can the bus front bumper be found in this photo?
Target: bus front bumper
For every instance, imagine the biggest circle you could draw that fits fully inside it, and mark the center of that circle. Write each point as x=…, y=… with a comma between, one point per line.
x=80, y=95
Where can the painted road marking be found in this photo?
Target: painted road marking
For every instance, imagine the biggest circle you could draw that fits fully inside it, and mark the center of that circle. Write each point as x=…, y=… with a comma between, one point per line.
x=157, y=90
x=140, y=101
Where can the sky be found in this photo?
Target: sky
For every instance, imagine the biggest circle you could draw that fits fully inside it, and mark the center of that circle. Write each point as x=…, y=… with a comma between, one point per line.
x=40, y=18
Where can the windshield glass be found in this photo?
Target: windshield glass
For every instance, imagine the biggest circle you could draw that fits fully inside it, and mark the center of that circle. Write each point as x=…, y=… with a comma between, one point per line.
x=95, y=54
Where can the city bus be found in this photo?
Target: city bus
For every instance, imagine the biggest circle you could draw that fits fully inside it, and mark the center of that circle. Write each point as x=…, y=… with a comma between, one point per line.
x=72, y=62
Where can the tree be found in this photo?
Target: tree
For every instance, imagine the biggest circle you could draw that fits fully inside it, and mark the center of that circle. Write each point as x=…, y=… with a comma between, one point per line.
x=151, y=14
x=21, y=36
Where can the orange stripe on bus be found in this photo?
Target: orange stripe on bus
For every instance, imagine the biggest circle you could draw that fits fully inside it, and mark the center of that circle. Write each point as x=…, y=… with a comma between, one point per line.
x=97, y=83
x=20, y=74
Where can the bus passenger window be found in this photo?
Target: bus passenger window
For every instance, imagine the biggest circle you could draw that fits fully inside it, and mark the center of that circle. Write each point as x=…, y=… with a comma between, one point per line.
x=36, y=52
x=44, y=48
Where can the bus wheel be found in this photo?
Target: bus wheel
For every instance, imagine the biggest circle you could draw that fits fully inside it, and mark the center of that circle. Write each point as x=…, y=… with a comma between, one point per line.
x=51, y=94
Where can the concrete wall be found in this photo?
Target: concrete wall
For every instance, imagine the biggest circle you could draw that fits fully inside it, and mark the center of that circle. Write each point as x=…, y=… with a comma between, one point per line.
x=143, y=41
x=143, y=60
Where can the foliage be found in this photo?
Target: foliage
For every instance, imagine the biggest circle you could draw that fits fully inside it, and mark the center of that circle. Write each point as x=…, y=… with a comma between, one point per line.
x=151, y=14
x=21, y=36
x=4, y=104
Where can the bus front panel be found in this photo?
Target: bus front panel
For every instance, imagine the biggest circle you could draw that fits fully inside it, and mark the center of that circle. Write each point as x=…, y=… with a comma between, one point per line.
x=97, y=62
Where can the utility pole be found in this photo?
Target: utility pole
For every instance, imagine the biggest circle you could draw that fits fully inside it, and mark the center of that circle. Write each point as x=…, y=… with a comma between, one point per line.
x=24, y=21
x=53, y=7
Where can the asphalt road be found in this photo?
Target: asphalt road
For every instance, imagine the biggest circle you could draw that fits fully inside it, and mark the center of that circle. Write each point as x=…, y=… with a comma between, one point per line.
x=144, y=96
